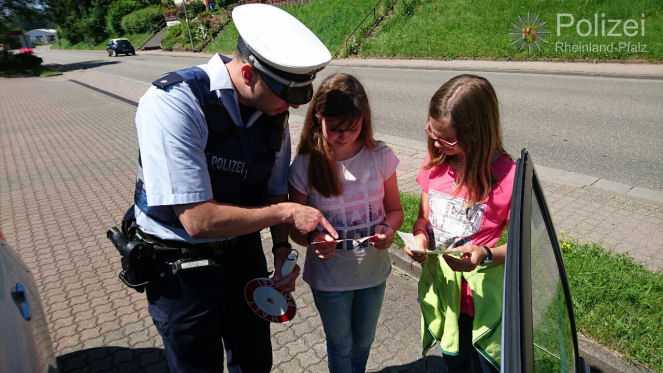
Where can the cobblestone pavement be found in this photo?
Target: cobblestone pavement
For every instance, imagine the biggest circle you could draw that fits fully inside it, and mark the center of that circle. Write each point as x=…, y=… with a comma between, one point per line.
x=67, y=158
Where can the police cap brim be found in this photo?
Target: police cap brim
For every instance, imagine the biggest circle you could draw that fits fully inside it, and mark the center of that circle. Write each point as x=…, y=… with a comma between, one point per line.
x=285, y=52
x=292, y=95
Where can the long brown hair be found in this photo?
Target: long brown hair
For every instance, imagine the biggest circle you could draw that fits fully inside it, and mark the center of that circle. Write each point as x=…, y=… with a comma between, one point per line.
x=343, y=98
x=470, y=105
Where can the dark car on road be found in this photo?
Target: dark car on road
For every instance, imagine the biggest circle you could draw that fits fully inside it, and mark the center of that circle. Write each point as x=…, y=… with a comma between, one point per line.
x=120, y=46
x=25, y=344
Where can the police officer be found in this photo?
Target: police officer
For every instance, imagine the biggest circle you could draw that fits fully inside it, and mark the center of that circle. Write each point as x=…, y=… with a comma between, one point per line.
x=214, y=154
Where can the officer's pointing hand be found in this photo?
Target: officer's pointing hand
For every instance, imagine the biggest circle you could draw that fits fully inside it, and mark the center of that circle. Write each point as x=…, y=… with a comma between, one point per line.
x=306, y=219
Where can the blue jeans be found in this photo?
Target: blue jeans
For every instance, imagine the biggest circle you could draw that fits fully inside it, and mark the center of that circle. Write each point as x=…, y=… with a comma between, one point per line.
x=349, y=319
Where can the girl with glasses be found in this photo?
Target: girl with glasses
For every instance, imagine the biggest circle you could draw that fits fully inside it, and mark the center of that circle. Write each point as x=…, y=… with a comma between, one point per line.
x=351, y=178
x=466, y=183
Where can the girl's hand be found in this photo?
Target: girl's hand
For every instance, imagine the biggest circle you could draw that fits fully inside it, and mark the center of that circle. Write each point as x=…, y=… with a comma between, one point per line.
x=419, y=253
x=471, y=257
x=384, y=236
x=323, y=245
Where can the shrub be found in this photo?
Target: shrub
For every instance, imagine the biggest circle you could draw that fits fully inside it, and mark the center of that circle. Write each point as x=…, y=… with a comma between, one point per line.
x=117, y=10
x=172, y=36
x=92, y=25
x=143, y=20
x=19, y=63
x=27, y=61
x=194, y=8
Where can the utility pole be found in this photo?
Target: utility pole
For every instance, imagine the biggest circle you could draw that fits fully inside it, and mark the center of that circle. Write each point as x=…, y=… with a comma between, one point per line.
x=186, y=19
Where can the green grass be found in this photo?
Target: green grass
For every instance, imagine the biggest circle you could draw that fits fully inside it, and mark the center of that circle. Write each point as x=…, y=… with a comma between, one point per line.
x=66, y=44
x=410, y=203
x=454, y=29
x=46, y=72
x=225, y=42
x=40, y=71
x=330, y=20
x=616, y=302
x=137, y=40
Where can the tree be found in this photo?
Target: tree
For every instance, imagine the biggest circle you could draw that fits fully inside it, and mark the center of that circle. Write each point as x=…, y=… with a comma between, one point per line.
x=67, y=15
x=80, y=20
x=15, y=14
x=91, y=20
x=118, y=9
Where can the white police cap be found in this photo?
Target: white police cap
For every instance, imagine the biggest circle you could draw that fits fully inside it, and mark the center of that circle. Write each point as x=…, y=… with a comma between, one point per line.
x=283, y=49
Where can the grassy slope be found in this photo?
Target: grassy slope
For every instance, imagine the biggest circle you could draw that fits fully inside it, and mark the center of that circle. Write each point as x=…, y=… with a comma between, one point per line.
x=330, y=20
x=480, y=29
x=616, y=301
x=136, y=40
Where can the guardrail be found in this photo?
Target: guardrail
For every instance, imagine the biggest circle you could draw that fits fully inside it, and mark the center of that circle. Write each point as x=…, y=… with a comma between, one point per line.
x=370, y=22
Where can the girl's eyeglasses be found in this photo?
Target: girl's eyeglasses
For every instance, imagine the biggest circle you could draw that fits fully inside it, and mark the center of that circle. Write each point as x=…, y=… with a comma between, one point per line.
x=339, y=128
x=429, y=132
x=347, y=129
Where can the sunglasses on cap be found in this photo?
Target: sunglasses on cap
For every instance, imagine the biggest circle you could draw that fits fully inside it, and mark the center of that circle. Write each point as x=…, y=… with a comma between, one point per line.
x=297, y=91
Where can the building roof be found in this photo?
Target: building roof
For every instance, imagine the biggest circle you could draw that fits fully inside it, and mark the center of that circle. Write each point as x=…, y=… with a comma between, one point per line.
x=42, y=30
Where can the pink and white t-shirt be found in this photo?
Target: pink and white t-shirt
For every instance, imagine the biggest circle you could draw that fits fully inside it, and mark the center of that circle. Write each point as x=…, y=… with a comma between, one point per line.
x=354, y=214
x=451, y=218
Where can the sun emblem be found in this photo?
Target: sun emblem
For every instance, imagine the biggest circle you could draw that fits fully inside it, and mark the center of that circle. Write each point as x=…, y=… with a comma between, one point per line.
x=528, y=33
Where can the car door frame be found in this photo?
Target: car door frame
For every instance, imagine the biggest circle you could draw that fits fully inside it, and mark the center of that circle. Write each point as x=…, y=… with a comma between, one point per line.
x=517, y=326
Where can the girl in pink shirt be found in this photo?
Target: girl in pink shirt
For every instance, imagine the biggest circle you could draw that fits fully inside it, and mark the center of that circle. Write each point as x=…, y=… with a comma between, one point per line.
x=466, y=183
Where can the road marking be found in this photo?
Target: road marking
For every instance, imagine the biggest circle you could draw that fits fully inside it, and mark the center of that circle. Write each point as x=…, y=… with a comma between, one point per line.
x=107, y=93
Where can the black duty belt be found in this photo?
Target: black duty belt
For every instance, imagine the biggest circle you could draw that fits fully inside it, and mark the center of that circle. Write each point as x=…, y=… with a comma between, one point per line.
x=179, y=249
x=180, y=255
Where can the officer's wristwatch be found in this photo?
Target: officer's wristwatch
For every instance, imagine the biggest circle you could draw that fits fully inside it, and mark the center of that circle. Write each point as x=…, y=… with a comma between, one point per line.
x=489, y=256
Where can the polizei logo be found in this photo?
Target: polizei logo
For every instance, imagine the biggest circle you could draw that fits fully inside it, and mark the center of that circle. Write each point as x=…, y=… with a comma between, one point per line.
x=610, y=35
x=528, y=33
x=600, y=25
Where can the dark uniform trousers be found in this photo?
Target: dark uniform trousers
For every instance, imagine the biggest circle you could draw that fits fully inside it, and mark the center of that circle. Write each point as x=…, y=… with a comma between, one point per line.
x=200, y=311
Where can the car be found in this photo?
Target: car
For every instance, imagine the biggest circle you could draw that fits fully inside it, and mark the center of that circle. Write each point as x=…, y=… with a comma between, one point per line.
x=120, y=46
x=538, y=324
x=26, y=345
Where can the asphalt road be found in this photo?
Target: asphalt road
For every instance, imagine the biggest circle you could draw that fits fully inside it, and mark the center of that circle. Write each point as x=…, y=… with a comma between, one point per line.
x=611, y=128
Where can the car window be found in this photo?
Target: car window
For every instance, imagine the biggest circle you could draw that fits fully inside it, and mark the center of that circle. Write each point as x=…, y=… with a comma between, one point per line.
x=538, y=326
x=552, y=337
x=123, y=43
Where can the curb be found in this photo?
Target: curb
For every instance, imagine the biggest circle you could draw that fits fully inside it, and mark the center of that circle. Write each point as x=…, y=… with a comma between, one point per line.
x=597, y=356
x=601, y=69
x=549, y=174
x=604, y=359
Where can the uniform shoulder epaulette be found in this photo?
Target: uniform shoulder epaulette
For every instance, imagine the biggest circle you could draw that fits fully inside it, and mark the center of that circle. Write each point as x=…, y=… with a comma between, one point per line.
x=168, y=80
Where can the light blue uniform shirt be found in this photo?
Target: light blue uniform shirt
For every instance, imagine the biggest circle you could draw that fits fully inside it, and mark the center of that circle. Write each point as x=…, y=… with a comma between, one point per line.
x=172, y=135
